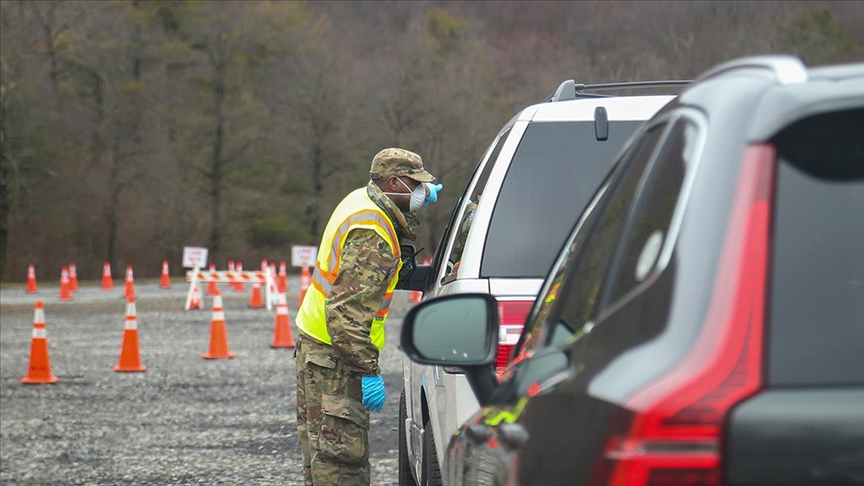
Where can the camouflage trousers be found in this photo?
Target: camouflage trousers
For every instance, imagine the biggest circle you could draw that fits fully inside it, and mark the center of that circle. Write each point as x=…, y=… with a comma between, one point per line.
x=332, y=423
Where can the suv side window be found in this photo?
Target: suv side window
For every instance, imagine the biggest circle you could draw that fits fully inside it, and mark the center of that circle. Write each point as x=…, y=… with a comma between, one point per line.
x=453, y=254
x=587, y=278
x=647, y=232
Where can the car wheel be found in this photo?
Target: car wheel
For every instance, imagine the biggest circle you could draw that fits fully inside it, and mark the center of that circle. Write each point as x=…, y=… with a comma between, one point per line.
x=431, y=471
x=406, y=478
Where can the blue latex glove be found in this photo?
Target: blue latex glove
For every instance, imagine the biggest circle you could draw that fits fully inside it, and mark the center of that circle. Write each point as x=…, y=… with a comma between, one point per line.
x=374, y=393
x=433, y=192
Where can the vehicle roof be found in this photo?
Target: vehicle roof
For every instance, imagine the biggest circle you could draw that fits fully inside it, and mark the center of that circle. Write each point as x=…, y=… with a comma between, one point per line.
x=826, y=89
x=771, y=96
x=618, y=108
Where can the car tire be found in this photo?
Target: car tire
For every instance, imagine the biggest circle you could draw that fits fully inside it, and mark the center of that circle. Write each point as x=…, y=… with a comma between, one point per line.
x=406, y=478
x=431, y=470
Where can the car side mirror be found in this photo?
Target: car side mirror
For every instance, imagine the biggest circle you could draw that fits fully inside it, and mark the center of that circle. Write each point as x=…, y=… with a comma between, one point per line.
x=456, y=330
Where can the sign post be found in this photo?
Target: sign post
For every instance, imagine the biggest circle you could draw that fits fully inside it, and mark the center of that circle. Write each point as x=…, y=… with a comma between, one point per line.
x=303, y=256
x=194, y=258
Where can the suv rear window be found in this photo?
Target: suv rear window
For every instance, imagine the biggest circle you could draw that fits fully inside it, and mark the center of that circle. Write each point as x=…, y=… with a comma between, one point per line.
x=554, y=173
x=817, y=296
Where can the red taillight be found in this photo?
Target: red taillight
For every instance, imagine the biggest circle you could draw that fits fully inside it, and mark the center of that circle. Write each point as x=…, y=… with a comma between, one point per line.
x=674, y=437
x=512, y=316
x=503, y=355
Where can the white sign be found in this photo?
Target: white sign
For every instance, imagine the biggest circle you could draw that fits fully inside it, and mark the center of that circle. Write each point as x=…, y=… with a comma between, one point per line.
x=194, y=257
x=303, y=256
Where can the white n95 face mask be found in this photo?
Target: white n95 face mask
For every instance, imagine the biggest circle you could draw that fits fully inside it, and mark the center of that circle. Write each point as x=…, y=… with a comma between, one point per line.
x=418, y=195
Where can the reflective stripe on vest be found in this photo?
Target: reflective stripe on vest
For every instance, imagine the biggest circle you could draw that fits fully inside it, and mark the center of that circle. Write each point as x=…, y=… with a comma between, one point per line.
x=356, y=211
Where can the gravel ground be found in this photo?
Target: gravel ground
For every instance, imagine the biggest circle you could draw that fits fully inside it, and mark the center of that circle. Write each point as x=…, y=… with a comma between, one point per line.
x=186, y=420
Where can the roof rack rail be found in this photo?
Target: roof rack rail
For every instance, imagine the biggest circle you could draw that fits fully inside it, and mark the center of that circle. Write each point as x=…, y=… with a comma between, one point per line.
x=786, y=69
x=569, y=90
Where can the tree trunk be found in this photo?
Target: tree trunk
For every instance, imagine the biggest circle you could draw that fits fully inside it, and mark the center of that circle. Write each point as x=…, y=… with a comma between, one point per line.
x=317, y=188
x=5, y=206
x=114, y=188
x=216, y=169
x=98, y=117
x=46, y=21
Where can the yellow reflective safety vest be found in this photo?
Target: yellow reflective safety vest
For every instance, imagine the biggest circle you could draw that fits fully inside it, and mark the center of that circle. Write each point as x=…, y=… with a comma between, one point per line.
x=356, y=211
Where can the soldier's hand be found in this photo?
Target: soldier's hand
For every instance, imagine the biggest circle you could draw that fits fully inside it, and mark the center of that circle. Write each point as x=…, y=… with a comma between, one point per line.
x=374, y=393
x=433, y=192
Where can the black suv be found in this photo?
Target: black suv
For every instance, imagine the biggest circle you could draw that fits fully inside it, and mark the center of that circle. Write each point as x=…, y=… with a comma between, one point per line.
x=704, y=322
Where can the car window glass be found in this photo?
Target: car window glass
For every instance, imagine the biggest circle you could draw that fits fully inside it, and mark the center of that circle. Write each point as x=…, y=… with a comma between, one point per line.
x=535, y=374
x=586, y=279
x=454, y=257
x=647, y=230
x=535, y=333
x=816, y=307
x=555, y=171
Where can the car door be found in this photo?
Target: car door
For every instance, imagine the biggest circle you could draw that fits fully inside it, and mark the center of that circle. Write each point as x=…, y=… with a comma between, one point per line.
x=615, y=299
x=422, y=379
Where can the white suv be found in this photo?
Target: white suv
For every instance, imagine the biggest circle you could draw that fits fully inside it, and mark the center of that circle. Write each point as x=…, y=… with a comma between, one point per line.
x=527, y=192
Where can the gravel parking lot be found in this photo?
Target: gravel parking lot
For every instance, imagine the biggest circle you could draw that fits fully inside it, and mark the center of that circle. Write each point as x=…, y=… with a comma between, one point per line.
x=186, y=420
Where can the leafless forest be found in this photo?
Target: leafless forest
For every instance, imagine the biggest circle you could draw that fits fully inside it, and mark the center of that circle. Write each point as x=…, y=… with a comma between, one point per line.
x=130, y=129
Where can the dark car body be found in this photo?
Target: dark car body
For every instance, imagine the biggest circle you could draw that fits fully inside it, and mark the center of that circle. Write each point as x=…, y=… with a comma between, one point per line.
x=704, y=322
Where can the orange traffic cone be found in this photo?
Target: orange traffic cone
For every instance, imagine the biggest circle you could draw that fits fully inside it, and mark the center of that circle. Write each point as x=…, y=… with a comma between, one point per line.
x=240, y=286
x=211, y=286
x=129, y=291
x=256, y=300
x=130, y=356
x=218, y=332
x=31, y=279
x=40, y=364
x=65, y=293
x=73, y=277
x=107, y=281
x=165, y=281
x=305, y=281
x=282, y=328
x=264, y=265
x=195, y=301
x=283, y=278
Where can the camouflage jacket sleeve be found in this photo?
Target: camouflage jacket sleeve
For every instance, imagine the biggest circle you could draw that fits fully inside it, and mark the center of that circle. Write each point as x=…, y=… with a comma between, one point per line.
x=355, y=298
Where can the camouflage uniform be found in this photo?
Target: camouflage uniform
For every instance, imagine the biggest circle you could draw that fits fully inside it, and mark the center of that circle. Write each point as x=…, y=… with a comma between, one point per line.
x=332, y=423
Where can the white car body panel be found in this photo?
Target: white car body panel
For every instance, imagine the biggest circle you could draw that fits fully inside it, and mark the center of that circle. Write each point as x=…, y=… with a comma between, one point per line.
x=446, y=395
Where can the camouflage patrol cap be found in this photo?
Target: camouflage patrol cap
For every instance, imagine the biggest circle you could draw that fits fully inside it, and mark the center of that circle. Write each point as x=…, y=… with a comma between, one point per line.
x=399, y=162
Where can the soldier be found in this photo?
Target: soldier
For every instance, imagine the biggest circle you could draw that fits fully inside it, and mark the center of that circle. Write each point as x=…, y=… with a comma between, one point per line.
x=341, y=319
